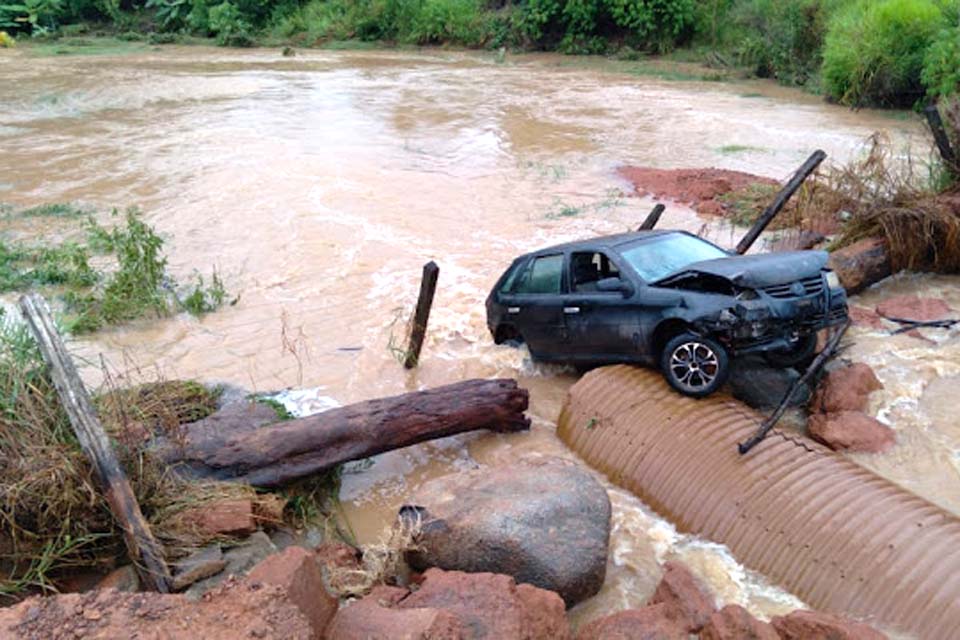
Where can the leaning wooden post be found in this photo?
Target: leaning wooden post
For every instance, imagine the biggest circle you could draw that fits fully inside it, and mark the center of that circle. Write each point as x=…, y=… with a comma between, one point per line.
x=652, y=218
x=771, y=211
x=420, y=317
x=941, y=138
x=144, y=550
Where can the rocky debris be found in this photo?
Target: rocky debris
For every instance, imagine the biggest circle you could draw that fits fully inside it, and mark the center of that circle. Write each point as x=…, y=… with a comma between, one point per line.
x=846, y=388
x=453, y=604
x=268, y=510
x=296, y=570
x=239, y=560
x=864, y=317
x=733, y=622
x=688, y=602
x=861, y=264
x=123, y=579
x=336, y=560
x=813, y=625
x=231, y=517
x=701, y=189
x=197, y=566
x=376, y=617
x=758, y=385
x=851, y=431
x=544, y=521
x=236, y=610
x=649, y=623
x=914, y=308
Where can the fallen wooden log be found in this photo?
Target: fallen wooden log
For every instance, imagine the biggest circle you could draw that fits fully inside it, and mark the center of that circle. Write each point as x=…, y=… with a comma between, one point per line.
x=652, y=218
x=280, y=453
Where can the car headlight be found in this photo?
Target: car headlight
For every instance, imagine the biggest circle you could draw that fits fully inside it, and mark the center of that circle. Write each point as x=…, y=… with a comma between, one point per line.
x=833, y=281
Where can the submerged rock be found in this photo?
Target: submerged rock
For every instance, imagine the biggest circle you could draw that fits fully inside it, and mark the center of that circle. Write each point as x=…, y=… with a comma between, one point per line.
x=846, y=388
x=733, y=622
x=851, y=431
x=813, y=625
x=914, y=308
x=544, y=521
x=649, y=623
x=687, y=601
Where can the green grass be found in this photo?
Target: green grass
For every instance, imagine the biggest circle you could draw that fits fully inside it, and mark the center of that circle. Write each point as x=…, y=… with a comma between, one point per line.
x=282, y=412
x=99, y=46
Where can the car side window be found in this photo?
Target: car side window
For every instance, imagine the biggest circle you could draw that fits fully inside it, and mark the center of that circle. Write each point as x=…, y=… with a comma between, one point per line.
x=543, y=275
x=589, y=267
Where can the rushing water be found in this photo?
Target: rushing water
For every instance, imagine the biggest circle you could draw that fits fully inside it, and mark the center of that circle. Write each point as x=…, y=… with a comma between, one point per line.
x=319, y=185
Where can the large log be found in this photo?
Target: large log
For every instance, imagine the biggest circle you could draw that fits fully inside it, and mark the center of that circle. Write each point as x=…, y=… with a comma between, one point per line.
x=143, y=549
x=280, y=453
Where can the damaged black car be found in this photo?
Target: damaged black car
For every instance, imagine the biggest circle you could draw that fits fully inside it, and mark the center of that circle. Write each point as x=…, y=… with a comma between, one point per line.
x=666, y=298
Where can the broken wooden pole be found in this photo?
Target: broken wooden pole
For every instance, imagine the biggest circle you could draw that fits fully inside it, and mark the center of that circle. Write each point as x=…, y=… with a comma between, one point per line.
x=286, y=451
x=144, y=550
x=828, y=352
x=780, y=200
x=652, y=218
x=418, y=330
x=940, y=137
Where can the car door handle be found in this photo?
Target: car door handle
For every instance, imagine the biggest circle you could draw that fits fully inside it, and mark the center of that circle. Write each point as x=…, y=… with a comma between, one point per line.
x=571, y=310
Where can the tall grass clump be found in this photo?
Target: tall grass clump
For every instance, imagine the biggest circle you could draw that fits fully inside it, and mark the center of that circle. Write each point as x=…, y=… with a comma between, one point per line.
x=941, y=63
x=874, y=51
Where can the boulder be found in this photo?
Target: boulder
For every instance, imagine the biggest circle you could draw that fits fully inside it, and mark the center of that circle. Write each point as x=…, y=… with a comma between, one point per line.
x=733, y=622
x=648, y=623
x=914, y=308
x=846, y=388
x=219, y=518
x=861, y=264
x=492, y=606
x=197, y=566
x=851, y=431
x=865, y=317
x=296, y=570
x=688, y=602
x=123, y=579
x=813, y=625
x=375, y=617
x=544, y=521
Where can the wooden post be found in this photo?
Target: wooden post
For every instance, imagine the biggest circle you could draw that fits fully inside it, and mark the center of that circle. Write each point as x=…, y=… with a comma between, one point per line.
x=428, y=285
x=771, y=211
x=652, y=218
x=144, y=550
x=940, y=137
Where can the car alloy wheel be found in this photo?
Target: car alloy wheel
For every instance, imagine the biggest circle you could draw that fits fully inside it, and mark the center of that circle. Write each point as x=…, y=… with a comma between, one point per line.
x=694, y=365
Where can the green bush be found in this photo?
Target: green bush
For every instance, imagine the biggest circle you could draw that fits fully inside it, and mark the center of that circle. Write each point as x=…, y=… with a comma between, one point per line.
x=874, y=51
x=229, y=26
x=941, y=64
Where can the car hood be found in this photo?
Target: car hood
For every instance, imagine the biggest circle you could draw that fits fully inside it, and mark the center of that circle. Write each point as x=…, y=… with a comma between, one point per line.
x=761, y=270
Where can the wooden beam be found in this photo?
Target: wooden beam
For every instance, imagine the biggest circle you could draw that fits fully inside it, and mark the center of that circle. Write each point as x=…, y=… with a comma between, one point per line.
x=652, y=218
x=940, y=137
x=418, y=331
x=144, y=550
x=780, y=200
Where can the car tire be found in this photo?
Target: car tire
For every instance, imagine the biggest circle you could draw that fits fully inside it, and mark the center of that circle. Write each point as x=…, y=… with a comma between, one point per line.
x=799, y=356
x=695, y=366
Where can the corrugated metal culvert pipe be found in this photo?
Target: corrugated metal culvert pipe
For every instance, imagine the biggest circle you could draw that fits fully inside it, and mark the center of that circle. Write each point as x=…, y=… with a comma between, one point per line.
x=838, y=536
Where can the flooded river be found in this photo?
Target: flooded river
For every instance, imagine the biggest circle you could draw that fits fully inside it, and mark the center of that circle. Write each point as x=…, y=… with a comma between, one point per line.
x=319, y=185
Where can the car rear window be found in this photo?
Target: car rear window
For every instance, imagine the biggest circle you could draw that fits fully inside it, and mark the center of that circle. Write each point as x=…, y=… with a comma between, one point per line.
x=659, y=257
x=543, y=275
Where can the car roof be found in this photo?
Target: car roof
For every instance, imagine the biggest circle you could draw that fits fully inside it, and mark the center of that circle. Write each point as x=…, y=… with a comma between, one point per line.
x=604, y=242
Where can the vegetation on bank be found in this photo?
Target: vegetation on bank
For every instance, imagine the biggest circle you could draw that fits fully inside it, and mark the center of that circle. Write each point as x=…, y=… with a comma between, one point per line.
x=858, y=52
x=130, y=281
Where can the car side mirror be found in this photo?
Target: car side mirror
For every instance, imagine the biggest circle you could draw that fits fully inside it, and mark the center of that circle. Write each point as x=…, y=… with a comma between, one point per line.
x=615, y=285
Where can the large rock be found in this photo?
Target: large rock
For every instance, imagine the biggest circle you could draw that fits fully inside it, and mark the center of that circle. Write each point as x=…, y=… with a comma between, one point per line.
x=851, y=431
x=758, y=385
x=454, y=605
x=914, y=308
x=861, y=264
x=813, y=625
x=544, y=521
x=296, y=570
x=650, y=623
x=733, y=622
x=228, y=517
x=846, y=388
x=687, y=600
x=202, y=564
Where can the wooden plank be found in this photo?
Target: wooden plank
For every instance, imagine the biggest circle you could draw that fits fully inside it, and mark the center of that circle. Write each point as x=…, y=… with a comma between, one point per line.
x=780, y=200
x=428, y=285
x=652, y=218
x=145, y=552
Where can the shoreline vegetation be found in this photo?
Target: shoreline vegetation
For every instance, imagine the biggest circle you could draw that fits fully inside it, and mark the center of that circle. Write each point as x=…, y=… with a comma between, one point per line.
x=883, y=53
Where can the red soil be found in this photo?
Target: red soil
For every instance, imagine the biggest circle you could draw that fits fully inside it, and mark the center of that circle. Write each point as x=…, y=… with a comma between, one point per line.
x=698, y=188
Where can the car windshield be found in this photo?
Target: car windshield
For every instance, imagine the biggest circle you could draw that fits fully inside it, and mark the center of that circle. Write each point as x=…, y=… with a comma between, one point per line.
x=662, y=256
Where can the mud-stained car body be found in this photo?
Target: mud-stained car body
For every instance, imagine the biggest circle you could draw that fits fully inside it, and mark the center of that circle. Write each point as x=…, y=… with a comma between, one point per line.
x=665, y=298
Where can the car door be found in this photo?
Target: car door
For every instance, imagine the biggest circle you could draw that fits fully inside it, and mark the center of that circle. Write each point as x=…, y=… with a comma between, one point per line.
x=535, y=306
x=602, y=326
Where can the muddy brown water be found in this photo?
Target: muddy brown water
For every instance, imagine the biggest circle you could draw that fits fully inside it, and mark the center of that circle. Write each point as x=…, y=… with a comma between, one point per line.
x=318, y=186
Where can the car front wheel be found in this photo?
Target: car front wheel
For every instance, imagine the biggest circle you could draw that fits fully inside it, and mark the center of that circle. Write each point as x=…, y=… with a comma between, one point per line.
x=693, y=365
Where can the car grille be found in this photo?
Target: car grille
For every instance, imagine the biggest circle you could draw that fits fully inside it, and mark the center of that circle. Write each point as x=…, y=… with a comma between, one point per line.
x=811, y=286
